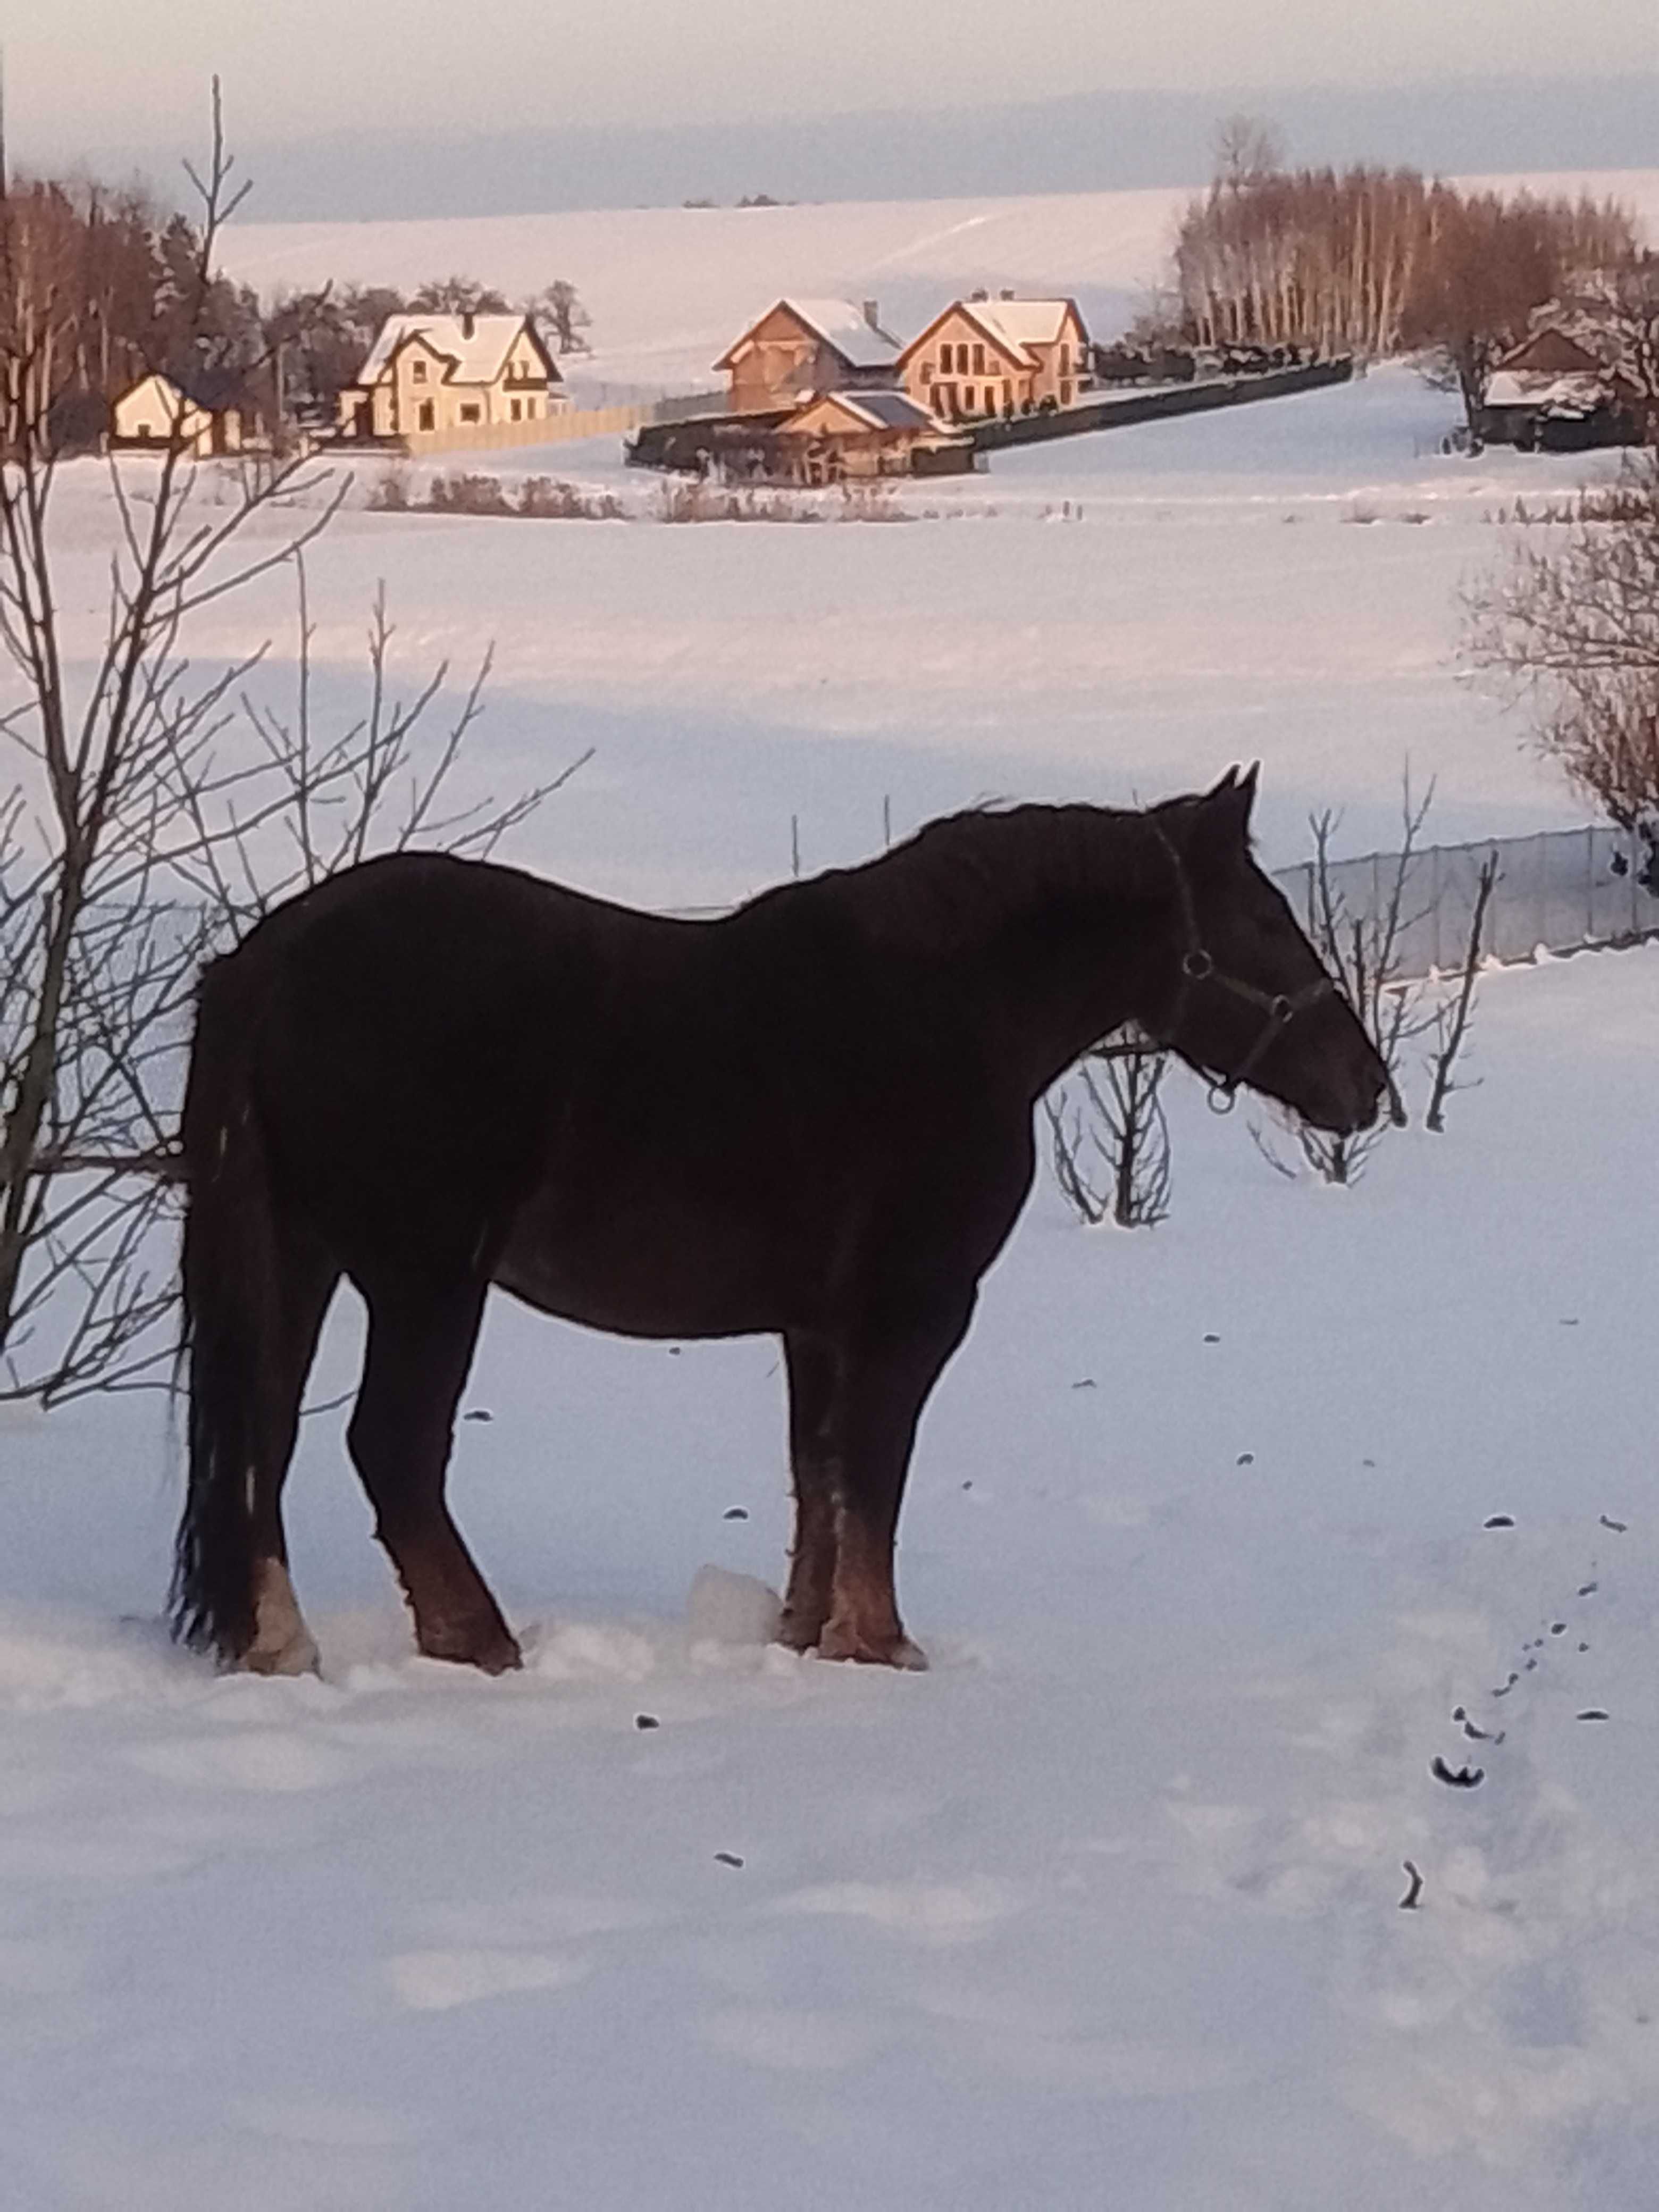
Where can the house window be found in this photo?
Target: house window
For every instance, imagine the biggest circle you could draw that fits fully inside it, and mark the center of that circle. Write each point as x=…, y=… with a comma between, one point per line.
x=417, y=371
x=470, y=411
x=947, y=360
x=425, y=419
x=517, y=410
x=1007, y=394
x=979, y=360
x=968, y=399
x=1066, y=395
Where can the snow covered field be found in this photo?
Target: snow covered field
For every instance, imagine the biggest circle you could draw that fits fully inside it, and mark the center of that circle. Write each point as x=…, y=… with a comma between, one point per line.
x=669, y=288
x=1104, y=1910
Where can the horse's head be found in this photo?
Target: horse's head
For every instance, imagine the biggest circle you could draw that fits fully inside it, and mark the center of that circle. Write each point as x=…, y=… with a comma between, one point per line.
x=1242, y=996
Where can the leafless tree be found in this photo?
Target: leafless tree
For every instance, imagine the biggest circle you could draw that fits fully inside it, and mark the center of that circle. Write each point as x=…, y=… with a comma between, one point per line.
x=1452, y=1017
x=1571, y=626
x=1363, y=952
x=1111, y=1152
x=149, y=810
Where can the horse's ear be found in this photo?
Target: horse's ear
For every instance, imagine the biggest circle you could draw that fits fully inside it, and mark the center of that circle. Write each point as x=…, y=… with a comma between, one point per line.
x=1226, y=805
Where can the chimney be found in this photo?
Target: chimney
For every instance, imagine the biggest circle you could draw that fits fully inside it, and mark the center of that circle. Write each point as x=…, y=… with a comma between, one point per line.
x=1005, y=296
x=873, y=313
x=979, y=295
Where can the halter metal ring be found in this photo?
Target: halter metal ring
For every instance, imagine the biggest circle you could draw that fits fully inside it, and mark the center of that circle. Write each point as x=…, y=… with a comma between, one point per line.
x=1196, y=965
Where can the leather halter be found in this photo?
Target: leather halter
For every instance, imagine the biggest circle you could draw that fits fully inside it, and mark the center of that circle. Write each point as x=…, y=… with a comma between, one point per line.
x=1278, y=1008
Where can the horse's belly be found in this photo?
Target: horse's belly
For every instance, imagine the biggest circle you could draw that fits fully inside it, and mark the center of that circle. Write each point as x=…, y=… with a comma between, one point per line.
x=676, y=1271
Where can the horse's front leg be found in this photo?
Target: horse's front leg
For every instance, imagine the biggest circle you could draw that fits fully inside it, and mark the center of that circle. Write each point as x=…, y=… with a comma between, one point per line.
x=421, y=1339
x=812, y=1361
x=883, y=1383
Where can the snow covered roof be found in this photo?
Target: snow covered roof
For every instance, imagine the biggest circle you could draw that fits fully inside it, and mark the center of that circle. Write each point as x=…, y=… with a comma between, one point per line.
x=1024, y=322
x=1520, y=387
x=1017, y=325
x=878, y=411
x=476, y=345
x=859, y=341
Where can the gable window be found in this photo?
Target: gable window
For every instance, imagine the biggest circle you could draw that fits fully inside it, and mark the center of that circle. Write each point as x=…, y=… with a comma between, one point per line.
x=417, y=370
x=979, y=360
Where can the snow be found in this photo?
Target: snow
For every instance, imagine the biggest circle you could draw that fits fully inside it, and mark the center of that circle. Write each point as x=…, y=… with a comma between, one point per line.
x=1107, y=1904
x=670, y=288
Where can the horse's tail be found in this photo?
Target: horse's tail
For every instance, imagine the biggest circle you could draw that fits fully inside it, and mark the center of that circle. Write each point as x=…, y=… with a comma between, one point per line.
x=230, y=1317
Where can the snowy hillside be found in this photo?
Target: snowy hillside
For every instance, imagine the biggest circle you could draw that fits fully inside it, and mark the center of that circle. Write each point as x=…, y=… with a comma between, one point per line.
x=1214, y=1530
x=670, y=288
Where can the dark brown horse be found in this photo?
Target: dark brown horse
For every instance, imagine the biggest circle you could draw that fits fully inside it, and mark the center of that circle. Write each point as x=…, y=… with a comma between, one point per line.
x=813, y=1116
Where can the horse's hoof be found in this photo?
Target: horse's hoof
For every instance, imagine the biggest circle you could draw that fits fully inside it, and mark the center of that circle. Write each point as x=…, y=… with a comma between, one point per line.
x=843, y=1642
x=298, y=1655
x=497, y=1653
x=797, y=1635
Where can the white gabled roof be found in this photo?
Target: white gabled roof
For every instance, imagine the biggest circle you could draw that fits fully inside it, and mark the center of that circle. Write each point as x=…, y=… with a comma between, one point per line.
x=840, y=324
x=1023, y=322
x=1525, y=387
x=1017, y=325
x=478, y=354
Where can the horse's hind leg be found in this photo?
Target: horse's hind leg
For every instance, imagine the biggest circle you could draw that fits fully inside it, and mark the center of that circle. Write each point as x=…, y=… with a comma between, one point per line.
x=282, y=1644
x=812, y=1362
x=421, y=1339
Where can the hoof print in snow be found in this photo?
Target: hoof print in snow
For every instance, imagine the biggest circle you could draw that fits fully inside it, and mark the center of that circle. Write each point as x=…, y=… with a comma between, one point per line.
x=1584, y=1647
x=735, y=1513
x=1499, y=1521
x=1210, y=1337
x=1087, y=1383
x=1457, y=1778
x=1507, y=1687
x=1481, y=1735
x=1245, y=1458
x=1617, y=1527
x=1558, y=1628
x=727, y=1858
x=646, y=1721
x=1408, y=1902
x=1592, y=1713
x=1588, y=1589
x=478, y=1413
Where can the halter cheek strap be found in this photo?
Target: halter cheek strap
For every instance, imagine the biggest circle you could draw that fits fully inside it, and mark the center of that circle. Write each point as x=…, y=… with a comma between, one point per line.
x=1278, y=1008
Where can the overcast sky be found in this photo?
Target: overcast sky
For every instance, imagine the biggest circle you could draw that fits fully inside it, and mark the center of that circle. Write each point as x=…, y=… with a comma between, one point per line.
x=84, y=74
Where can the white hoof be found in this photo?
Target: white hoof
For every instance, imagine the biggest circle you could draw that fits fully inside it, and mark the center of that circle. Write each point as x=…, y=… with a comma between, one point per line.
x=282, y=1645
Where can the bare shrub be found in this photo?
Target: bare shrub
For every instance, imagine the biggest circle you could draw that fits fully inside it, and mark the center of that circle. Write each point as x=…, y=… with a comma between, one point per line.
x=1571, y=626
x=150, y=809
x=551, y=499
x=467, y=495
x=1452, y=1017
x=1111, y=1152
x=389, y=492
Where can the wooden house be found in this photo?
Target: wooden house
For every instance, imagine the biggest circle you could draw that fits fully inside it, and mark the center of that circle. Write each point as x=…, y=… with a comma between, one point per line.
x=463, y=380
x=1556, y=388
x=207, y=412
x=799, y=347
x=982, y=356
x=839, y=435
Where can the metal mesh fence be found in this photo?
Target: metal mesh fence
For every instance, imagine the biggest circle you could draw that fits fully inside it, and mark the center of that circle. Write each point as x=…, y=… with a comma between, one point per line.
x=1557, y=891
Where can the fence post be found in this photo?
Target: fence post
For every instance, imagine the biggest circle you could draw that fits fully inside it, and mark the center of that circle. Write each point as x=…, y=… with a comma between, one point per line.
x=1589, y=883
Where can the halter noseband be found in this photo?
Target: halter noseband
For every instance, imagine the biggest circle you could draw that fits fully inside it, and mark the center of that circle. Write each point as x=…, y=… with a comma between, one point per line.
x=1278, y=1008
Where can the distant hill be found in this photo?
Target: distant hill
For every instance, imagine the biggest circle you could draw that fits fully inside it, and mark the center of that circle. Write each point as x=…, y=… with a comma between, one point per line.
x=1094, y=142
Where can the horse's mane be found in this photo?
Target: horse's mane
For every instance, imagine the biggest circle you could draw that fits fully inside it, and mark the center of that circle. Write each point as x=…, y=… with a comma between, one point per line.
x=958, y=880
